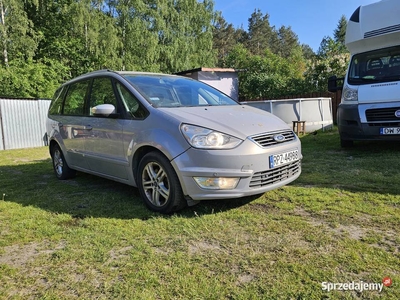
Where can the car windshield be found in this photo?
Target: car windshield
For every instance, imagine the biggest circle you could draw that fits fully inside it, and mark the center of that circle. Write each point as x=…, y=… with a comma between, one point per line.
x=174, y=91
x=375, y=66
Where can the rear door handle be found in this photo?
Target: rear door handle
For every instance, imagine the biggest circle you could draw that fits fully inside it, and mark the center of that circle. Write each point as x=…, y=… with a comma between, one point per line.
x=88, y=127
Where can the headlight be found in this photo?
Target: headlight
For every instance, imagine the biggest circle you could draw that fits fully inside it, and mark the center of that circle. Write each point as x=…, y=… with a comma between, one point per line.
x=217, y=183
x=349, y=94
x=204, y=138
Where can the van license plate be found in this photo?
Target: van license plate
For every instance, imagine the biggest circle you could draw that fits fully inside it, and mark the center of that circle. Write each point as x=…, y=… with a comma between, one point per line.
x=389, y=130
x=283, y=158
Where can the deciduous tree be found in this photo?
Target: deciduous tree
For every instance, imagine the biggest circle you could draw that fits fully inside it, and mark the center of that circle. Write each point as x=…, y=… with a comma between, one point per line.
x=17, y=37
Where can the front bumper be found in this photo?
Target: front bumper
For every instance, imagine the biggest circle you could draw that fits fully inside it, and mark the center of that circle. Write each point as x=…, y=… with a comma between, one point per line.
x=248, y=162
x=354, y=125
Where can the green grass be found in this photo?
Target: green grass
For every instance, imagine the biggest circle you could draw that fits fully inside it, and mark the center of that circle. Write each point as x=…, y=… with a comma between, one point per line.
x=91, y=238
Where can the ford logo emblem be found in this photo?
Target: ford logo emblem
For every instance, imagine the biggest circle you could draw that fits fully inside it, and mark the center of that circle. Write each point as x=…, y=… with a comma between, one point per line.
x=397, y=113
x=279, y=138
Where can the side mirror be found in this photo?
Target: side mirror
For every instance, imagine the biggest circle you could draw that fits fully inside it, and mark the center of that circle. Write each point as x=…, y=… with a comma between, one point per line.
x=333, y=86
x=103, y=110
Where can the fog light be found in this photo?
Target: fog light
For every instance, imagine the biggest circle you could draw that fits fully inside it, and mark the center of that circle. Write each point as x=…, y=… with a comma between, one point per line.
x=217, y=183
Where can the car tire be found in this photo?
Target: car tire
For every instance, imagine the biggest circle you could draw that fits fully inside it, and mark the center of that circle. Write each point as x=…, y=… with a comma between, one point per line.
x=60, y=166
x=159, y=185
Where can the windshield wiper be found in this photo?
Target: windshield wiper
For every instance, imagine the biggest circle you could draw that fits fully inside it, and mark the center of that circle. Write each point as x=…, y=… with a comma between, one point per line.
x=364, y=79
x=368, y=78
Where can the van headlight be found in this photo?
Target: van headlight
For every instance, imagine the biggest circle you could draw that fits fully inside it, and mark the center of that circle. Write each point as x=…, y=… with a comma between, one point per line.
x=204, y=138
x=349, y=94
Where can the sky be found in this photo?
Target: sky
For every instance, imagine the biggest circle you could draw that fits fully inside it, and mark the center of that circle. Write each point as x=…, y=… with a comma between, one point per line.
x=311, y=20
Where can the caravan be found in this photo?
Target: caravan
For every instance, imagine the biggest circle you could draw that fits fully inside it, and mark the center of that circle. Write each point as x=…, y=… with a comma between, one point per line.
x=370, y=104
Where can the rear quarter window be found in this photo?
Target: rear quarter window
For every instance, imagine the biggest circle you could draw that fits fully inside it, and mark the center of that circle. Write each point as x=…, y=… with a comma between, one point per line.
x=57, y=101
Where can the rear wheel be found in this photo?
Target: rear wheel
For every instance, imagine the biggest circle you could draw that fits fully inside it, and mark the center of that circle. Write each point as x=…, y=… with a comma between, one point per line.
x=159, y=185
x=60, y=166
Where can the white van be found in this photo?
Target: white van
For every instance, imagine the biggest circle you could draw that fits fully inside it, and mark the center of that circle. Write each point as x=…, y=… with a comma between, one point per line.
x=370, y=104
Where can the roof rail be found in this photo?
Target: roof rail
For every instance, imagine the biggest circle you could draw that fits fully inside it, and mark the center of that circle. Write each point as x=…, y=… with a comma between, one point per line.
x=99, y=71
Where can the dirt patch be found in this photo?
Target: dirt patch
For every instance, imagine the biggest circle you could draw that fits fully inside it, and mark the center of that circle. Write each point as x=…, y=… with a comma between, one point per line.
x=162, y=251
x=263, y=207
x=245, y=278
x=17, y=256
x=117, y=254
x=312, y=220
x=388, y=238
x=202, y=247
x=354, y=232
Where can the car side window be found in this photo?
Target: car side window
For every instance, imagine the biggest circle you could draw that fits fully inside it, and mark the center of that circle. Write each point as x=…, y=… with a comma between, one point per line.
x=131, y=103
x=56, y=103
x=75, y=99
x=102, y=93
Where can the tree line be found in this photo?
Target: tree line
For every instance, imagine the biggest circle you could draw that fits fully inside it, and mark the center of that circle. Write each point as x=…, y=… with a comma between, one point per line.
x=45, y=42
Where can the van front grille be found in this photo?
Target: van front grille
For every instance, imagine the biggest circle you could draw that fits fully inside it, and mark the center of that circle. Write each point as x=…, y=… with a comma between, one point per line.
x=382, y=114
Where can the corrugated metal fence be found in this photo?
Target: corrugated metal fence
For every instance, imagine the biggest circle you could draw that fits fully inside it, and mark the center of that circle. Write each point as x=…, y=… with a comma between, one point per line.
x=23, y=123
x=316, y=112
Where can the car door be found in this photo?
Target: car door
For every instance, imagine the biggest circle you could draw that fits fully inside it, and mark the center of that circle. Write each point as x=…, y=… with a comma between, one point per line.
x=104, y=144
x=71, y=124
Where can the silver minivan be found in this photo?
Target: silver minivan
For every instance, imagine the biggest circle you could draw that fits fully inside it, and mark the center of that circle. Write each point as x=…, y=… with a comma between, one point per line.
x=176, y=139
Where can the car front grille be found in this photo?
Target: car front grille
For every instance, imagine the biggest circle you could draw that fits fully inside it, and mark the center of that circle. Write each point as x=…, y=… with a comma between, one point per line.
x=382, y=114
x=275, y=175
x=267, y=139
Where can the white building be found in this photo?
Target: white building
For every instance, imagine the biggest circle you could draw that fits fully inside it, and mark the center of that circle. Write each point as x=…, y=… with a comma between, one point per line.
x=225, y=80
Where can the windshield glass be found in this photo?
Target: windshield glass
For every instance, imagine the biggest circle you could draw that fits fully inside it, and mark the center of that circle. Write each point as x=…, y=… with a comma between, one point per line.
x=375, y=66
x=173, y=91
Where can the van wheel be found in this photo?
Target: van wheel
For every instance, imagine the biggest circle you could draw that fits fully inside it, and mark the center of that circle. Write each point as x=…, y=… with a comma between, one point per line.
x=346, y=143
x=60, y=166
x=159, y=185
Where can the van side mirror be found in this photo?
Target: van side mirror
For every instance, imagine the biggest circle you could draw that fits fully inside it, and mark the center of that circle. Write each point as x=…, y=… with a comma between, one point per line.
x=103, y=110
x=333, y=86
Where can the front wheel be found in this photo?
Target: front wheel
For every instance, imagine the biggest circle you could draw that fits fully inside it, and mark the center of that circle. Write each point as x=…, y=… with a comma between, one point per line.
x=159, y=185
x=60, y=166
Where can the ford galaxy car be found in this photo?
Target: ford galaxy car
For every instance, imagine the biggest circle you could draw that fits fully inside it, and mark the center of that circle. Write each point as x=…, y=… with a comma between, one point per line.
x=178, y=140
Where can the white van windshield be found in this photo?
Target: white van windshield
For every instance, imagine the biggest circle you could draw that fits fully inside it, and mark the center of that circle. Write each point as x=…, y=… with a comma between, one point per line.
x=173, y=91
x=375, y=66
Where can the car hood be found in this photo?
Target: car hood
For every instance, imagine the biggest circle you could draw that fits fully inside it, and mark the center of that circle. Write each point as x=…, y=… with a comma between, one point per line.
x=237, y=120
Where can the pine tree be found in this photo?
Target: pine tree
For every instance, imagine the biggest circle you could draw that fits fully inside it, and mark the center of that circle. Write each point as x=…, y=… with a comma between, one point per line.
x=260, y=33
x=339, y=33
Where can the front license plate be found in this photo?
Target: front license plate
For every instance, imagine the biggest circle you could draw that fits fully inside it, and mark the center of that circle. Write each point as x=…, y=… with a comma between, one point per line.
x=283, y=158
x=389, y=130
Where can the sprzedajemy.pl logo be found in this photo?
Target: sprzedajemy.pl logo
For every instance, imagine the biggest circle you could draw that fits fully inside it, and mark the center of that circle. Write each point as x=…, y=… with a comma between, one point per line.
x=359, y=286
